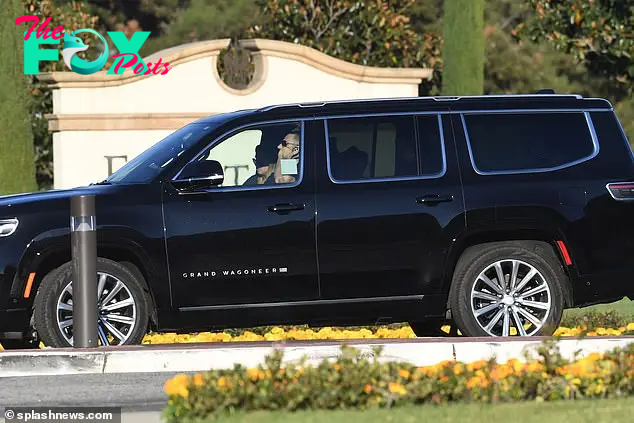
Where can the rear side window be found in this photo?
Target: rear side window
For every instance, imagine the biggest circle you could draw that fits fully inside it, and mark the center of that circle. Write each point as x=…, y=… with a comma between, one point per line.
x=379, y=147
x=521, y=142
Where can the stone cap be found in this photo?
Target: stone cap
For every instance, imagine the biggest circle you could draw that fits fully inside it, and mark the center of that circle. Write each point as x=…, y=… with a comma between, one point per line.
x=259, y=47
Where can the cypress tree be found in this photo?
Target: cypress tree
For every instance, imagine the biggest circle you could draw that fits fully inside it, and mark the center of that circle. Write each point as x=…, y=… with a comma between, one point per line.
x=463, y=47
x=17, y=160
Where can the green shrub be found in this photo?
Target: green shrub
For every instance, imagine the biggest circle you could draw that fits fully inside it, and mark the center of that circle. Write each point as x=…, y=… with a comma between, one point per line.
x=594, y=319
x=355, y=382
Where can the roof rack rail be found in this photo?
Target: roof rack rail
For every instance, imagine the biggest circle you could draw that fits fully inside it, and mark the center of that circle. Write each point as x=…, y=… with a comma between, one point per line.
x=277, y=106
x=539, y=94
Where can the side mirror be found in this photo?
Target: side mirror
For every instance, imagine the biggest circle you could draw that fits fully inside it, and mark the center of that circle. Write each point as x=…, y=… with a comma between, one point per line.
x=200, y=174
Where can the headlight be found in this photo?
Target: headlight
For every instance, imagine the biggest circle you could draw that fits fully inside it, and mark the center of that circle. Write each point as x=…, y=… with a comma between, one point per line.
x=8, y=226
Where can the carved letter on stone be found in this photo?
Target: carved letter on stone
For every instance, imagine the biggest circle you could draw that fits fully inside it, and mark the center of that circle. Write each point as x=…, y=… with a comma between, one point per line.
x=237, y=171
x=111, y=158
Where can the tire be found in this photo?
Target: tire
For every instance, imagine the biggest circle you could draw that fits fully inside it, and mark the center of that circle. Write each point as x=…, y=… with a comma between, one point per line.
x=54, y=288
x=547, y=283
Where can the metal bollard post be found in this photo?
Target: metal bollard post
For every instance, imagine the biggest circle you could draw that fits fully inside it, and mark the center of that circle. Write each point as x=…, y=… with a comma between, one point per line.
x=84, y=250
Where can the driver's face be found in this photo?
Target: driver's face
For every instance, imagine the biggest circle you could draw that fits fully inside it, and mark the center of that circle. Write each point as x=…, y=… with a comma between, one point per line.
x=288, y=142
x=288, y=148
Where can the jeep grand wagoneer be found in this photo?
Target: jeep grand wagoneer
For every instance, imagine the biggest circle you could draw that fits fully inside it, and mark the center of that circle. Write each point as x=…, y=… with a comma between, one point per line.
x=494, y=213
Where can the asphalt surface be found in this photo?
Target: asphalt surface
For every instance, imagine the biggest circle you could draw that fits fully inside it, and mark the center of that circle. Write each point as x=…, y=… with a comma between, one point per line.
x=140, y=395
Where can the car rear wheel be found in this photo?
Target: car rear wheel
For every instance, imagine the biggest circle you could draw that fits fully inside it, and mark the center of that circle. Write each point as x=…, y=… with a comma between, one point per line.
x=122, y=306
x=508, y=288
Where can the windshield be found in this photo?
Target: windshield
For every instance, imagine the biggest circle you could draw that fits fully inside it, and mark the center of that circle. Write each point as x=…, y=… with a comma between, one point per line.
x=148, y=164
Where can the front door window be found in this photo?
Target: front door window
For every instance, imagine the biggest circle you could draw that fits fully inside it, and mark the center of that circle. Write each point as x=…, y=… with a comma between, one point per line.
x=267, y=154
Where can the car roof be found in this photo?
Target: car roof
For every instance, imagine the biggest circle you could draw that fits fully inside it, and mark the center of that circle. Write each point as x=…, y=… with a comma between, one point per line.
x=417, y=105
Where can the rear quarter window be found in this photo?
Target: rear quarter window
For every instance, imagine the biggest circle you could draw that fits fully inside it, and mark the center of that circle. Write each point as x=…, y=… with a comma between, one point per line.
x=528, y=142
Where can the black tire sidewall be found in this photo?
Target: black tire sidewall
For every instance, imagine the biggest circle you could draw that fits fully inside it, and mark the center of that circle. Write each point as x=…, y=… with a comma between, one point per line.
x=479, y=259
x=45, y=304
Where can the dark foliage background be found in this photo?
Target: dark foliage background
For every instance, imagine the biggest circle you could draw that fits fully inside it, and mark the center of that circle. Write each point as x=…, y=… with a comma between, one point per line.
x=580, y=46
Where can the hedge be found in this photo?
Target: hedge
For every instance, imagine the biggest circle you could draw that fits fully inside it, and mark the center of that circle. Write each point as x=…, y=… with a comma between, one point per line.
x=356, y=382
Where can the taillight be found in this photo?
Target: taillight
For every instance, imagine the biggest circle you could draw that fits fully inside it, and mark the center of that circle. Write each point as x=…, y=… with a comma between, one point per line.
x=621, y=190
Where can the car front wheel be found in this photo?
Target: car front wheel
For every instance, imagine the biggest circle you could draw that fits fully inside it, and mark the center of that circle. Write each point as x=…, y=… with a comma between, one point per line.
x=122, y=306
x=508, y=288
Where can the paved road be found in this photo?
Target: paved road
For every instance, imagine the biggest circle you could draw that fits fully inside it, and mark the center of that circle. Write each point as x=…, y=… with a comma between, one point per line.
x=140, y=395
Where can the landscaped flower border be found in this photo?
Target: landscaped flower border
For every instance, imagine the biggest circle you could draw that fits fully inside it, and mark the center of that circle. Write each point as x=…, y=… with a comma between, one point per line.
x=294, y=333
x=356, y=382
x=588, y=325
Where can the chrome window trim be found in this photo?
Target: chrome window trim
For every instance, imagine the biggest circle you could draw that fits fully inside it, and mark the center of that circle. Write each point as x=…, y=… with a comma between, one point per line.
x=394, y=178
x=222, y=137
x=593, y=136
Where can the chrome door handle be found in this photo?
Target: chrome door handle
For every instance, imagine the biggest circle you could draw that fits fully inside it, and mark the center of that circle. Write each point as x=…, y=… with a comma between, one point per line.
x=434, y=199
x=286, y=207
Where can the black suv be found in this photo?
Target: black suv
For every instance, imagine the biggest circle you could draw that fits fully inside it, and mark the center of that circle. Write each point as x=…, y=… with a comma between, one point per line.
x=494, y=213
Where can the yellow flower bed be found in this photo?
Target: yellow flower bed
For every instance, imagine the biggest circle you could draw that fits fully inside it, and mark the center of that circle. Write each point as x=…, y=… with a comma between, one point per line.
x=355, y=382
x=328, y=333
x=279, y=334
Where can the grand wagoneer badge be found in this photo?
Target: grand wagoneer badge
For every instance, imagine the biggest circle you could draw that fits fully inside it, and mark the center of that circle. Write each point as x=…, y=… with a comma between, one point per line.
x=235, y=272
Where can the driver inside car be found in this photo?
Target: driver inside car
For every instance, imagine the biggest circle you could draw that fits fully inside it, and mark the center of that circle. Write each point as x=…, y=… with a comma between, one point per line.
x=287, y=159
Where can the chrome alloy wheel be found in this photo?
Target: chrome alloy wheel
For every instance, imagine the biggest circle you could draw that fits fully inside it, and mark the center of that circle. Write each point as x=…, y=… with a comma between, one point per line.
x=116, y=310
x=510, y=294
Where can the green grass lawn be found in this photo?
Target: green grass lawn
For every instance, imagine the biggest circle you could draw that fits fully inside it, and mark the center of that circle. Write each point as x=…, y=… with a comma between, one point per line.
x=624, y=307
x=581, y=411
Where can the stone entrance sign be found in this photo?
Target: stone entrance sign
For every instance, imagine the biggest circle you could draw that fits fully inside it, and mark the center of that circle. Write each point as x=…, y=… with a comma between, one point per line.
x=101, y=121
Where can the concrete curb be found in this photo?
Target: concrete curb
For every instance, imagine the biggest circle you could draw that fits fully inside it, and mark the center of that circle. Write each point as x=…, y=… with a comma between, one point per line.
x=202, y=357
x=38, y=363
